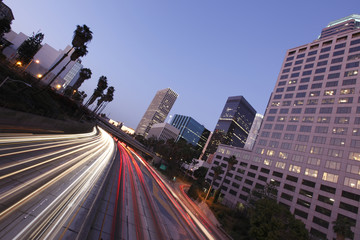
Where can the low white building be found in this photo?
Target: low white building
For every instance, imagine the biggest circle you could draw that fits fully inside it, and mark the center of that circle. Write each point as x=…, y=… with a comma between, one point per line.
x=163, y=131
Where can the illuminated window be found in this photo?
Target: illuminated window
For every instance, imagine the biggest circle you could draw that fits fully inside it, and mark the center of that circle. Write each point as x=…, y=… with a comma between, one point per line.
x=280, y=165
x=283, y=155
x=267, y=162
x=281, y=119
x=300, y=148
x=335, y=153
x=328, y=101
x=354, y=156
x=308, y=119
x=311, y=172
x=314, y=161
x=330, y=92
x=270, y=152
x=294, y=168
x=346, y=100
x=286, y=103
x=323, y=119
x=339, y=130
x=298, y=102
x=330, y=177
x=293, y=119
x=346, y=91
x=277, y=103
x=356, y=132
x=314, y=93
x=316, y=150
x=351, y=73
x=312, y=102
x=292, y=82
x=354, y=183
x=337, y=141
x=342, y=120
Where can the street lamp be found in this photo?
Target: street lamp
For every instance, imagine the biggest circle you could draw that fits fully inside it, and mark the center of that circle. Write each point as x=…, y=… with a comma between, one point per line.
x=39, y=75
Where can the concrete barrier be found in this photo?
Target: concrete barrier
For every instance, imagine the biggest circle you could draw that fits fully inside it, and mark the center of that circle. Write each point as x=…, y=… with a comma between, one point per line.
x=16, y=121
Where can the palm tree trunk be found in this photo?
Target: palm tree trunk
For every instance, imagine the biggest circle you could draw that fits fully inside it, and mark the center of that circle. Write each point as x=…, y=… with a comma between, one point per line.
x=103, y=107
x=56, y=64
x=62, y=69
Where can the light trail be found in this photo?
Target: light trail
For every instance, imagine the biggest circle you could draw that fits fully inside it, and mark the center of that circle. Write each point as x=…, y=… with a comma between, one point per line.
x=76, y=176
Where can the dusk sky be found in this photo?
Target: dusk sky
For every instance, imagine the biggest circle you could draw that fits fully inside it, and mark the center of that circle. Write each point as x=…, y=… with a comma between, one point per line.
x=205, y=50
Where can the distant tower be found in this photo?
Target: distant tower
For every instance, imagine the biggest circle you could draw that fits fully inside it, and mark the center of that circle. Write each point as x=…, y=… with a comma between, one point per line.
x=157, y=111
x=191, y=131
x=233, y=126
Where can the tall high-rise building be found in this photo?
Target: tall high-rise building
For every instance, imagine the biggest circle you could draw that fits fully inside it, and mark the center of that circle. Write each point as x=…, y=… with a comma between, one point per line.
x=191, y=131
x=309, y=141
x=233, y=125
x=157, y=111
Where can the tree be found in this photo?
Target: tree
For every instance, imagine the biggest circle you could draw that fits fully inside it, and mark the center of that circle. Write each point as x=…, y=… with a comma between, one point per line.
x=78, y=52
x=271, y=221
x=82, y=36
x=231, y=161
x=101, y=86
x=5, y=26
x=85, y=73
x=217, y=171
x=268, y=192
x=342, y=228
x=108, y=97
x=30, y=47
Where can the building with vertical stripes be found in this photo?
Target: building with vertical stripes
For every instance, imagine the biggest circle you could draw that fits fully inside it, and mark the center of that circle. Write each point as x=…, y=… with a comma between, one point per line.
x=309, y=142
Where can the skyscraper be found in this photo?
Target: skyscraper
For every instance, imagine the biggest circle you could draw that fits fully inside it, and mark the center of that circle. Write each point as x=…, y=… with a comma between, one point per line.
x=233, y=125
x=157, y=111
x=191, y=131
x=309, y=141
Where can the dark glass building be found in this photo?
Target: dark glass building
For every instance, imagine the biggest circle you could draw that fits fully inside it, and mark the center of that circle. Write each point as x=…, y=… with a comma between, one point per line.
x=191, y=131
x=233, y=126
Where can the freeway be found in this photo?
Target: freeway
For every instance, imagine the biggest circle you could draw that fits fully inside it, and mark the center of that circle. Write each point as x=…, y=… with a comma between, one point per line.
x=47, y=182
x=78, y=186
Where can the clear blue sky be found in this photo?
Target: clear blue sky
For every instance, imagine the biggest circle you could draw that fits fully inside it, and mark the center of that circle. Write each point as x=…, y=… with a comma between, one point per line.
x=205, y=50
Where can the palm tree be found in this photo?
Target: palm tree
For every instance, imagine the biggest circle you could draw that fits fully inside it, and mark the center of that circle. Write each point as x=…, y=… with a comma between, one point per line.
x=82, y=35
x=108, y=97
x=78, y=52
x=98, y=92
x=342, y=228
x=231, y=161
x=217, y=171
x=85, y=73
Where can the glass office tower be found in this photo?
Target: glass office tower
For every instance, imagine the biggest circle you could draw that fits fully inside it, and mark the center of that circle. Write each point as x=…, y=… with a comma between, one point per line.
x=191, y=131
x=157, y=111
x=233, y=125
x=309, y=142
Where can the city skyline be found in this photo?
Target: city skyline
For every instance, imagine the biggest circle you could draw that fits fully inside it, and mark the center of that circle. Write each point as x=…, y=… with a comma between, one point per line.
x=212, y=53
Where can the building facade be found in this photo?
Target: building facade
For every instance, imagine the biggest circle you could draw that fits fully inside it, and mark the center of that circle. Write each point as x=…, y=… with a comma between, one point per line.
x=157, y=111
x=191, y=131
x=233, y=125
x=309, y=141
x=254, y=132
x=163, y=131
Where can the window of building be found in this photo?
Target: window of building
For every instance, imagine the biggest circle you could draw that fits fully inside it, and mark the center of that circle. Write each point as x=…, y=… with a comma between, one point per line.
x=281, y=119
x=308, y=119
x=288, y=95
x=352, y=65
x=343, y=110
x=342, y=120
x=277, y=174
x=314, y=161
x=338, y=53
x=346, y=100
x=306, y=193
x=337, y=141
x=339, y=130
x=314, y=94
x=294, y=119
x=323, y=211
x=323, y=119
x=286, y=103
x=300, y=213
x=349, y=82
x=325, y=110
x=355, y=169
x=320, y=70
x=321, y=222
x=321, y=129
x=335, y=68
x=305, y=80
x=333, y=75
x=303, y=87
x=296, y=68
x=296, y=110
x=346, y=91
x=289, y=187
x=285, y=145
x=280, y=165
x=353, y=57
x=319, y=139
x=312, y=102
x=349, y=207
x=316, y=85
x=310, y=59
x=328, y=101
x=303, y=203
x=308, y=183
x=335, y=153
x=351, y=182
x=316, y=150
x=354, y=156
x=324, y=56
x=350, y=73
x=318, y=78
x=356, y=132
x=291, y=128
x=354, y=49
x=326, y=200
x=336, y=60
x=330, y=177
x=286, y=196
x=283, y=155
x=332, y=84
x=311, y=172
x=352, y=196
x=341, y=45
x=289, y=136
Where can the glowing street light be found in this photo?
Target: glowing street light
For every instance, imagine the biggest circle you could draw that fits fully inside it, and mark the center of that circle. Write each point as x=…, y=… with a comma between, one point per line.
x=58, y=86
x=39, y=75
x=19, y=64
